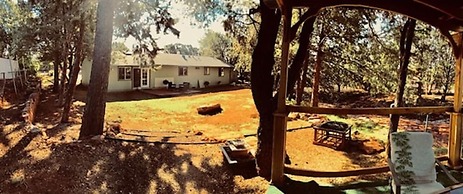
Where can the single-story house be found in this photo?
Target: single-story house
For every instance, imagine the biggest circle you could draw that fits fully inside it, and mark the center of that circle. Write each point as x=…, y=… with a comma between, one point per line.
x=125, y=74
x=8, y=68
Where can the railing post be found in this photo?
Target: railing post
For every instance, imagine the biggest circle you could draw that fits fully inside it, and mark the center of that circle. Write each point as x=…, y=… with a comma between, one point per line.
x=280, y=116
x=456, y=118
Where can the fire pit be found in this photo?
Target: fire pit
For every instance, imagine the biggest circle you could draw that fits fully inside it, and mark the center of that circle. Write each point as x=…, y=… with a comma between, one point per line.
x=332, y=134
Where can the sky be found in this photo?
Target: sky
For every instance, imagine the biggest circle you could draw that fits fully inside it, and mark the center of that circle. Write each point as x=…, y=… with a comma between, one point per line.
x=189, y=34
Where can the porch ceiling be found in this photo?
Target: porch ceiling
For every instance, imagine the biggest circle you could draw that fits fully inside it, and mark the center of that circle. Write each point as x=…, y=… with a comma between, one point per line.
x=443, y=14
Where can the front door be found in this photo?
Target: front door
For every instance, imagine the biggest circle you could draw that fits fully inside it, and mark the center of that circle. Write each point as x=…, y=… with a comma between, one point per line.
x=136, y=78
x=145, y=78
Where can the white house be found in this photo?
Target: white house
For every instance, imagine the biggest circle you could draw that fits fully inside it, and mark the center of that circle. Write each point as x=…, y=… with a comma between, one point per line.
x=125, y=74
x=8, y=67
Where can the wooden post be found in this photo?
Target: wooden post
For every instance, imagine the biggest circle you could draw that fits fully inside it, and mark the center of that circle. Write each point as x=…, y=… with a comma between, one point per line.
x=280, y=116
x=13, y=77
x=20, y=78
x=456, y=117
x=455, y=140
x=25, y=76
x=3, y=88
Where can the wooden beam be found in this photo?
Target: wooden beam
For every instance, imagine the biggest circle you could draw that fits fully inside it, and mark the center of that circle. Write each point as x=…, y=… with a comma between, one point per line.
x=280, y=116
x=345, y=173
x=437, y=14
x=315, y=173
x=451, y=8
x=370, y=111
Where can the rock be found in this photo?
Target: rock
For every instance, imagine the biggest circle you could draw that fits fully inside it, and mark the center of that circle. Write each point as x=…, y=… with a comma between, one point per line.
x=293, y=116
x=305, y=116
x=97, y=137
x=371, y=146
x=199, y=133
x=115, y=127
x=35, y=129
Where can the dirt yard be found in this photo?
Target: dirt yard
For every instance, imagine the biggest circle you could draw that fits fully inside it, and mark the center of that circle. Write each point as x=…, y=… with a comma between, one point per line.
x=54, y=161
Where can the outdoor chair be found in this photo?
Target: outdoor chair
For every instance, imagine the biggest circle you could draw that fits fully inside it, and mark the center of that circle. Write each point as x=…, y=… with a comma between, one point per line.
x=412, y=163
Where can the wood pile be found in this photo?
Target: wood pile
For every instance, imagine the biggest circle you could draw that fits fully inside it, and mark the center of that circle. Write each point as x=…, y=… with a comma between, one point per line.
x=28, y=113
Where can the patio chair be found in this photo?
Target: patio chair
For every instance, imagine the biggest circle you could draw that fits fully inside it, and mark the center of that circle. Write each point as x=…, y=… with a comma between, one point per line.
x=414, y=149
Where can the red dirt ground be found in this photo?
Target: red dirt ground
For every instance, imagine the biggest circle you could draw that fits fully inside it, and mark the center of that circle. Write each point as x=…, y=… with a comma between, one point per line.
x=56, y=162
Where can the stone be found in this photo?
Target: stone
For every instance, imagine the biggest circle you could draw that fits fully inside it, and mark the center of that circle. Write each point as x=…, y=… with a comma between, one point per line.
x=371, y=146
x=293, y=116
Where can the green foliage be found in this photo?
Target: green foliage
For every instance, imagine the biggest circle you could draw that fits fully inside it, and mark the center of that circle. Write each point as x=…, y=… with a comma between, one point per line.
x=215, y=44
x=179, y=48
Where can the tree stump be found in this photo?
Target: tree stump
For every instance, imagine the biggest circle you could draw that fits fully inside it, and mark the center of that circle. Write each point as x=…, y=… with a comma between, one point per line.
x=211, y=109
x=28, y=113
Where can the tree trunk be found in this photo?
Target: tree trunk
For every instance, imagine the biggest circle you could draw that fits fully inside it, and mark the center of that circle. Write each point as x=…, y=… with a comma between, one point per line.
x=75, y=72
x=406, y=40
x=262, y=89
x=93, y=120
x=56, y=64
x=262, y=79
x=444, y=93
x=316, y=77
x=302, y=82
x=63, y=75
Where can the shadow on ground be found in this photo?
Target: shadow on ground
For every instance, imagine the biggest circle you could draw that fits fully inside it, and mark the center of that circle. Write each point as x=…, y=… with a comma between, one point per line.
x=135, y=95
x=113, y=167
x=58, y=163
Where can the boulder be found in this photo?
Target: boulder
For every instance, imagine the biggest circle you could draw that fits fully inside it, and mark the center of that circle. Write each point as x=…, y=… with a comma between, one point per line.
x=371, y=146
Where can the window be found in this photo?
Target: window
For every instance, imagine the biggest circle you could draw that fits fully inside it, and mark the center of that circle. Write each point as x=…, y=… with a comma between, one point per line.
x=207, y=71
x=125, y=73
x=182, y=71
x=221, y=72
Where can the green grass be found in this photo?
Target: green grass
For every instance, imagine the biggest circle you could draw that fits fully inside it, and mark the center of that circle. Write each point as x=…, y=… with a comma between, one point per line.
x=365, y=127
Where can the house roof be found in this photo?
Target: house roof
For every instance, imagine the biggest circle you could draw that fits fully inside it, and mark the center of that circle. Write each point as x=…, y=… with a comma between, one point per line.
x=176, y=60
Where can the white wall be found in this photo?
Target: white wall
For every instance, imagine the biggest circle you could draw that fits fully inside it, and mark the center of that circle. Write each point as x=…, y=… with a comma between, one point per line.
x=194, y=76
x=85, y=71
x=114, y=84
x=170, y=73
x=7, y=66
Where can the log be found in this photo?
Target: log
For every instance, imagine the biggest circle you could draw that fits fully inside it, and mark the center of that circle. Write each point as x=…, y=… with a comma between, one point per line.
x=28, y=113
x=211, y=109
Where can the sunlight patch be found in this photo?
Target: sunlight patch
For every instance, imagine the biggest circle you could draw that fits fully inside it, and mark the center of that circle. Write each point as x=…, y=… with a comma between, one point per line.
x=153, y=186
x=40, y=154
x=184, y=167
x=18, y=176
x=168, y=177
x=121, y=156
